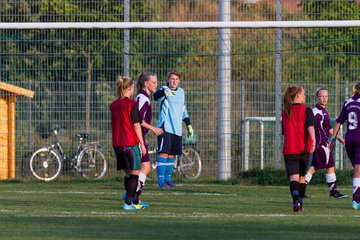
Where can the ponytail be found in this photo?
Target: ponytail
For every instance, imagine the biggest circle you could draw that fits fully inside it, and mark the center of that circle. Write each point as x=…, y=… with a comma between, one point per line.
x=289, y=97
x=122, y=83
x=356, y=89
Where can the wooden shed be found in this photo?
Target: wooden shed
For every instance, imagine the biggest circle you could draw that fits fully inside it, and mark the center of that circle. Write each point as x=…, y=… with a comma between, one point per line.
x=8, y=94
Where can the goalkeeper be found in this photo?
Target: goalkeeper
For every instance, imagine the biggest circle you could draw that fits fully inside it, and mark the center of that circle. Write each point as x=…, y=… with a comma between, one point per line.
x=171, y=114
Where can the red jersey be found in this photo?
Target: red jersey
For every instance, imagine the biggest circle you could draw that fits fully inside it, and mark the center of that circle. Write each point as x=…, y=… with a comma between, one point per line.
x=122, y=123
x=296, y=136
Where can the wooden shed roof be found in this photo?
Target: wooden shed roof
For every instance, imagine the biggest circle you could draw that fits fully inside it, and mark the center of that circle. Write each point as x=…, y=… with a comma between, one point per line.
x=16, y=90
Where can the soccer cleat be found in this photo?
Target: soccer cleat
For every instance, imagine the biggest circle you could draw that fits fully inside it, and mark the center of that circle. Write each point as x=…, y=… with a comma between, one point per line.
x=131, y=207
x=170, y=184
x=306, y=196
x=338, y=195
x=162, y=184
x=124, y=196
x=355, y=205
x=297, y=207
x=142, y=205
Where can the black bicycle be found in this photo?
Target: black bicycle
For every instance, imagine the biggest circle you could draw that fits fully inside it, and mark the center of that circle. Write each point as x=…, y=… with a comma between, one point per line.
x=46, y=163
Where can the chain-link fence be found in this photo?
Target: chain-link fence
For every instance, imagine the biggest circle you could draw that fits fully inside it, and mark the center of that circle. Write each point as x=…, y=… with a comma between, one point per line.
x=73, y=71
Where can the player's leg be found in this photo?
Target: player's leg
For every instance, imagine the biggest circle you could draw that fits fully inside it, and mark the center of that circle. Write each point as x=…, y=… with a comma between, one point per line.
x=303, y=167
x=331, y=181
x=164, y=147
x=176, y=149
x=292, y=169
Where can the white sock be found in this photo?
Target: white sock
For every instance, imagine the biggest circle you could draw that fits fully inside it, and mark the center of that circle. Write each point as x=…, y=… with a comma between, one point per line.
x=330, y=178
x=308, y=178
x=356, y=184
x=141, y=182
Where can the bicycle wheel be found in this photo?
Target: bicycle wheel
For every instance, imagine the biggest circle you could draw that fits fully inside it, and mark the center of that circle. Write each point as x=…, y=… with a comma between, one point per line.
x=190, y=163
x=92, y=163
x=45, y=164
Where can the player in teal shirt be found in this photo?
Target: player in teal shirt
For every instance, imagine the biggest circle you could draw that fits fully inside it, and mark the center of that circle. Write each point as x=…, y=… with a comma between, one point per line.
x=171, y=115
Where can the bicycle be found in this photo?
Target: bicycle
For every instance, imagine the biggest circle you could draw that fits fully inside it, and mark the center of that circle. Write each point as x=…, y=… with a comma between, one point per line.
x=188, y=164
x=46, y=163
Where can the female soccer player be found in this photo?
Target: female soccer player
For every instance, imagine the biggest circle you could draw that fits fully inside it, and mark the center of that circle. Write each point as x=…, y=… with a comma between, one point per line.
x=299, y=141
x=172, y=113
x=350, y=113
x=126, y=137
x=322, y=157
x=146, y=84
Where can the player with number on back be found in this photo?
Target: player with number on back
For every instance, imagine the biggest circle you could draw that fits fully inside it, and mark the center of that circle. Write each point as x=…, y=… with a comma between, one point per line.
x=350, y=113
x=171, y=114
x=299, y=141
x=322, y=157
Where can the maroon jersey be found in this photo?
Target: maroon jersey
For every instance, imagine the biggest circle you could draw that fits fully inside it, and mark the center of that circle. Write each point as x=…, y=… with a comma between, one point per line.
x=296, y=137
x=124, y=113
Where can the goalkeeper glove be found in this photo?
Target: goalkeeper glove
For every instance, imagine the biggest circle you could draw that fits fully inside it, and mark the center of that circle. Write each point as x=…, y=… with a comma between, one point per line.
x=169, y=92
x=190, y=131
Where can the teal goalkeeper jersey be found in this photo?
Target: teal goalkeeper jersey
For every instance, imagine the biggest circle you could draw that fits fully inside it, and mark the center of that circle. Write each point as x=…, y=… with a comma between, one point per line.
x=172, y=110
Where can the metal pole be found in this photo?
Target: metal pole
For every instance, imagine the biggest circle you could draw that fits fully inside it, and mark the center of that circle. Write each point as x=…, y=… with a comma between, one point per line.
x=126, y=39
x=277, y=137
x=224, y=95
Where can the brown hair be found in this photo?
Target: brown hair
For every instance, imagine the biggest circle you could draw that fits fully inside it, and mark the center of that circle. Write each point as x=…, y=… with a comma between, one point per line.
x=142, y=78
x=356, y=89
x=289, y=97
x=173, y=72
x=123, y=83
x=318, y=90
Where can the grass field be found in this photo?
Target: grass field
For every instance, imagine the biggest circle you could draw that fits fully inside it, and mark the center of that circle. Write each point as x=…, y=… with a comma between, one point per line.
x=92, y=210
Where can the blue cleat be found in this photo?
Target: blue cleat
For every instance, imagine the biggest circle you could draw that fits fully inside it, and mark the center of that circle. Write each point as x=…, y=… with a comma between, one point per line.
x=162, y=184
x=355, y=205
x=124, y=196
x=131, y=207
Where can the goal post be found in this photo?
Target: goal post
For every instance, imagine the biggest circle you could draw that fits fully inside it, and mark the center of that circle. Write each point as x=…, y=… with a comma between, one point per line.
x=165, y=25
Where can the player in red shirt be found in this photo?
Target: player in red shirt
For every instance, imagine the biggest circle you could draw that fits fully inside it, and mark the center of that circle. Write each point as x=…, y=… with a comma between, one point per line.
x=127, y=138
x=299, y=141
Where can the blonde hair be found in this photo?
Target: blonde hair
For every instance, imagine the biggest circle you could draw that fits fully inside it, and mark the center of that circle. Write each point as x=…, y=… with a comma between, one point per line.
x=142, y=78
x=356, y=89
x=289, y=97
x=123, y=83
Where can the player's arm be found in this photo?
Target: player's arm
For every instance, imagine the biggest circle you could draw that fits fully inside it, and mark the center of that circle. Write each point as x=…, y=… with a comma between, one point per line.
x=136, y=120
x=310, y=123
x=155, y=130
x=186, y=120
x=340, y=139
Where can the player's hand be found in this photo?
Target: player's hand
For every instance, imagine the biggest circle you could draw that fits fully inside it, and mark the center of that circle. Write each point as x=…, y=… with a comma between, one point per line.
x=331, y=143
x=341, y=140
x=190, y=131
x=169, y=92
x=157, y=131
x=143, y=150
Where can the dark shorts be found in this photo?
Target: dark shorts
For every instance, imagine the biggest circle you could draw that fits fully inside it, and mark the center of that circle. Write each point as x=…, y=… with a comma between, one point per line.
x=170, y=144
x=128, y=158
x=322, y=158
x=296, y=164
x=352, y=145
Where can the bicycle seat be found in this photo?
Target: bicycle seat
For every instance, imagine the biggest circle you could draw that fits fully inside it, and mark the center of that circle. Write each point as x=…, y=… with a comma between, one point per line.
x=83, y=135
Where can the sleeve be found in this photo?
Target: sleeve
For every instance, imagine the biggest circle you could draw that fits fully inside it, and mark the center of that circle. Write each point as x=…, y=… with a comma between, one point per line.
x=143, y=109
x=309, y=117
x=135, y=114
x=342, y=116
x=159, y=94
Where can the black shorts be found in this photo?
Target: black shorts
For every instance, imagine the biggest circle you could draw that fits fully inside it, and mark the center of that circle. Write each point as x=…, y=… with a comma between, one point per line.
x=170, y=144
x=296, y=164
x=128, y=158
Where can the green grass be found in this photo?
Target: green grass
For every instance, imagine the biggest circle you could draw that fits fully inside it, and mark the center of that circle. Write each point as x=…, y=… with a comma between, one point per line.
x=92, y=210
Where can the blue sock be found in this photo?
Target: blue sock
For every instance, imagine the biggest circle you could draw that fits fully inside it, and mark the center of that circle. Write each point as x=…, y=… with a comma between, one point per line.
x=169, y=169
x=160, y=169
